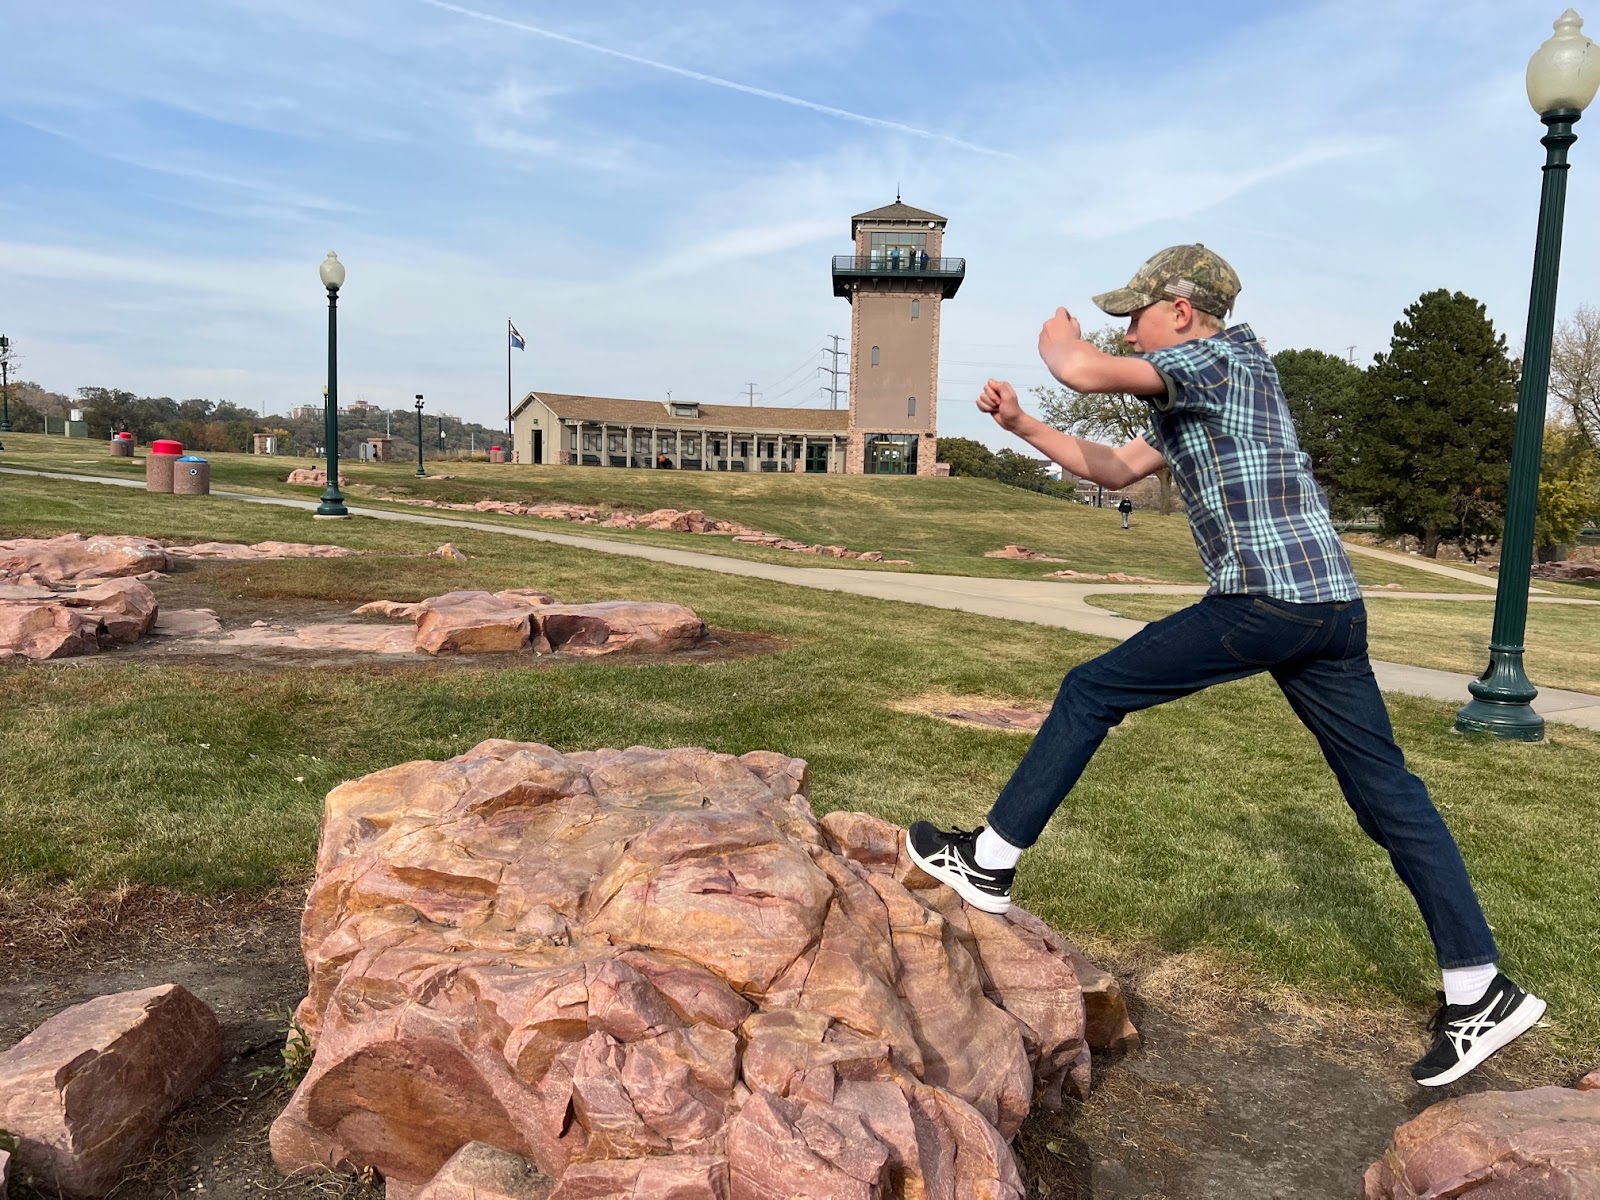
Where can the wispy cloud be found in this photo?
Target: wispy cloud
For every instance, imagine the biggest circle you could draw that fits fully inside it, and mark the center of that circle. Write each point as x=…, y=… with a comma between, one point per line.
x=717, y=81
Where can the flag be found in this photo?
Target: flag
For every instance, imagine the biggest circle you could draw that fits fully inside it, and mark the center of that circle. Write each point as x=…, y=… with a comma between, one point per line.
x=516, y=338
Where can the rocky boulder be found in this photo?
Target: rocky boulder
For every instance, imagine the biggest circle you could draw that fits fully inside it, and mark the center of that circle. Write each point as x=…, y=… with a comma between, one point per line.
x=86, y=1092
x=655, y=973
x=1534, y=1144
x=1020, y=554
x=317, y=476
x=40, y=630
x=632, y=625
x=479, y=1171
x=472, y=623
x=1590, y=1082
x=126, y=608
x=74, y=556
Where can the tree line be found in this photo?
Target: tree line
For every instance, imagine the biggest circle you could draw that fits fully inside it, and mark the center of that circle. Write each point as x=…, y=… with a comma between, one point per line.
x=210, y=426
x=1419, y=441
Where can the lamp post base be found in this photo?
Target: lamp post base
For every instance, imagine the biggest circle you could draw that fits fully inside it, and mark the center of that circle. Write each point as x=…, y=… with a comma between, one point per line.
x=1502, y=702
x=332, y=504
x=322, y=516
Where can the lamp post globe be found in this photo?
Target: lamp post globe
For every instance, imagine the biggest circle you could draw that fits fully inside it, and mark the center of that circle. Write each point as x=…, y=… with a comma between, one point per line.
x=332, y=276
x=1563, y=76
x=420, y=471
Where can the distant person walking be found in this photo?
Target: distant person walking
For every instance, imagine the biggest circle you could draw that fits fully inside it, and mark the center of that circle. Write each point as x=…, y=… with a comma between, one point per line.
x=1126, y=509
x=1283, y=599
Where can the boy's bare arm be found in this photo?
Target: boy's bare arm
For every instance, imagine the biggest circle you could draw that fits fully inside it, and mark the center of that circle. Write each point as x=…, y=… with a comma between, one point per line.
x=1084, y=367
x=1109, y=466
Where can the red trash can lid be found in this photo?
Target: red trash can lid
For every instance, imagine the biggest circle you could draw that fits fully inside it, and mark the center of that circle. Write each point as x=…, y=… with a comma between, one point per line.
x=166, y=446
x=123, y=437
x=494, y=447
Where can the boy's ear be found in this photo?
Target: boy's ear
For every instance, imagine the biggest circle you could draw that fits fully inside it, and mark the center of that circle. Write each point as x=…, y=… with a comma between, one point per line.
x=1182, y=312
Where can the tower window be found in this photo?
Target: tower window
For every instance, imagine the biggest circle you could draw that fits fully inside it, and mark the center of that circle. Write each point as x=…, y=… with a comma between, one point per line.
x=911, y=406
x=874, y=356
x=916, y=309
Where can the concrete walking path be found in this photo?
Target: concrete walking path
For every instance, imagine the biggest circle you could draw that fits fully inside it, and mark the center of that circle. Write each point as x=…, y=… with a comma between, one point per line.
x=1061, y=604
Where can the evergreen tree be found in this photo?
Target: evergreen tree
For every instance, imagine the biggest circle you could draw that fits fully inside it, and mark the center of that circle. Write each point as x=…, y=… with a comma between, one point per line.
x=1321, y=389
x=1427, y=442
x=966, y=456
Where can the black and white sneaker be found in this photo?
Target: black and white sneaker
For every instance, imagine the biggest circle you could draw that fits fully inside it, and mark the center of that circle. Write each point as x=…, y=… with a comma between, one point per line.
x=949, y=856
x=1466, y=1034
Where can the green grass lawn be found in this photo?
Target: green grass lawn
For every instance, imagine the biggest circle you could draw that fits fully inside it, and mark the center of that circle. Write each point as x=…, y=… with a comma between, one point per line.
x=1210, y=825
x=1562, y=640
x=944, y=526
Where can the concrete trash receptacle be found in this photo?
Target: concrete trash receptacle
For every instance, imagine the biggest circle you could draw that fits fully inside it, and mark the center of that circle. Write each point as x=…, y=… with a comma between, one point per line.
x=496, y=455
x=191, y=476
x=159, y=464
x=122, y=445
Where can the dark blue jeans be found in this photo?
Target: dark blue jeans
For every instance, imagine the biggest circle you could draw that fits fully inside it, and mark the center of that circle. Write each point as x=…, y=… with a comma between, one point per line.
x=1317, y=654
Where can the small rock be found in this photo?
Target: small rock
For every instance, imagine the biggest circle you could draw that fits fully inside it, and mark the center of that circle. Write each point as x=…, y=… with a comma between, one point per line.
x=449, y=552
x=1590, y=1082
x=118, y=1063
x=185, y=622
x=479, y=1171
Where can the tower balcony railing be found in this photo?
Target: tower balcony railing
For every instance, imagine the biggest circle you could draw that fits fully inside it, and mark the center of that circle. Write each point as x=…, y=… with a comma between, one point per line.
x=851, y=268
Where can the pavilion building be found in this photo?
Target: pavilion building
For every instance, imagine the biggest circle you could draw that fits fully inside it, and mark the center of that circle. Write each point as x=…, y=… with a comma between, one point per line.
x=895, y=281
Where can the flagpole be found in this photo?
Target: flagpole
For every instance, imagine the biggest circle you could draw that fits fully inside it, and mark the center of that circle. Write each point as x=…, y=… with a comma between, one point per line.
x=510, y=435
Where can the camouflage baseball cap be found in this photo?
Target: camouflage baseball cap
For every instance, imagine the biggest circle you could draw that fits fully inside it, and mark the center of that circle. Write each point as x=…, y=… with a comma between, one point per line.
x=1195, y=273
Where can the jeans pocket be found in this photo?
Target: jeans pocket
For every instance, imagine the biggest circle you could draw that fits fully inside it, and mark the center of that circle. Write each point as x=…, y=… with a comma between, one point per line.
x=1355, y=647
x=1266, y=635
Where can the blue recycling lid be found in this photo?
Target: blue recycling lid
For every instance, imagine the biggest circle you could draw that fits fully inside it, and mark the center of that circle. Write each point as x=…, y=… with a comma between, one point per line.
x=191, y=458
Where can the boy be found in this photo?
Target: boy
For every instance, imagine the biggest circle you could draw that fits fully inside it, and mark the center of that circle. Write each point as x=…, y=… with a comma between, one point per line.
x=1282, y=598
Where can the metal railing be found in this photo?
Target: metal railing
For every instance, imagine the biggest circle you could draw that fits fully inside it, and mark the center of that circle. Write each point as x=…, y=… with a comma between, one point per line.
x=903, y=264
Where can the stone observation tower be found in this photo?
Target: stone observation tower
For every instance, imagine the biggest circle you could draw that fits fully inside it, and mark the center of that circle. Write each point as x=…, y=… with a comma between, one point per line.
x=894, y=282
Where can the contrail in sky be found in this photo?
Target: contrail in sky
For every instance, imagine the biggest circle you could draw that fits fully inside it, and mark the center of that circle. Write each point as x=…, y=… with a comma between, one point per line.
x=717, y=81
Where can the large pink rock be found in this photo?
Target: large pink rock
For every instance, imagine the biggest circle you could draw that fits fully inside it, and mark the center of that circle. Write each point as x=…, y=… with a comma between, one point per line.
x=317, y=476
x=634, y=626
x=126, y=608
x=73, y=556
x=1021, y=554
x=1532, y=1145
x=1590, y=1082
x=472, y=623
x=86, y=1092
x=43, y=630
x=654, y=973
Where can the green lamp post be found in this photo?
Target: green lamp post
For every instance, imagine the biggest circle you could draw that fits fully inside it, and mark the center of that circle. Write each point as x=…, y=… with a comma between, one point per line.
x=1563, y=76
x=5, y=384
x=420, y=471
x=332, y=505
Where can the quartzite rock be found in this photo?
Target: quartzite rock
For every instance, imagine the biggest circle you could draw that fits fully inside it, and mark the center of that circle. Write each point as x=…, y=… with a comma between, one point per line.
x=653, y=973
x=1518, y=1145
x=471, y=623
x=73, y=556
x=479, y=1171
x=86, y=1092
x=313, y=475
x=126, y=608
x=635, y=626
x=42, y=630
x=238, y=552
x=1590, y=1082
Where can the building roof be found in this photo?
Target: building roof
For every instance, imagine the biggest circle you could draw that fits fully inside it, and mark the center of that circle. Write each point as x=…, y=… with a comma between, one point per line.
x=897, y=211
x=713, y=417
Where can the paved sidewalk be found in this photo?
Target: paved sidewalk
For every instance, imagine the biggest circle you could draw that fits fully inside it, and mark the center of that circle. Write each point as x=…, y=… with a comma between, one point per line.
x=1060, y=604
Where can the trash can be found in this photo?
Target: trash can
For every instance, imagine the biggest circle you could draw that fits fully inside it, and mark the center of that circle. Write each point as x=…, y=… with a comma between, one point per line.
x=159, y=464
x=496, y=454
x=122, y=445
x=191, y=476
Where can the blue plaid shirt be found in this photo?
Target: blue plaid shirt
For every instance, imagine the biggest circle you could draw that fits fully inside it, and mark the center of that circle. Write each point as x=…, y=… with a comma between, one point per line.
x=1259, y=519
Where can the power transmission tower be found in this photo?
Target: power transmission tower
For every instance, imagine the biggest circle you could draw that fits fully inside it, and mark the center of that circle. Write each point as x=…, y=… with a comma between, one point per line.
x=752, y=388
x=1350, y=356
x=831, y=390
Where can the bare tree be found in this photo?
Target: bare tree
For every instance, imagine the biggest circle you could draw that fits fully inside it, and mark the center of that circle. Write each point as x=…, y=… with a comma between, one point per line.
x=1575, y=370
x=1113, y=417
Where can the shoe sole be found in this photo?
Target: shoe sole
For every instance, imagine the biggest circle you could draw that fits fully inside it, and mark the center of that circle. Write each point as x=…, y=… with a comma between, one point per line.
x=1523, y=1018
x=978, y=900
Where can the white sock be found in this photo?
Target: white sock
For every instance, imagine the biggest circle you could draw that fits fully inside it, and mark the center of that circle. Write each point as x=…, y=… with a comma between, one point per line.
x=994, y=853
x=1466, y=985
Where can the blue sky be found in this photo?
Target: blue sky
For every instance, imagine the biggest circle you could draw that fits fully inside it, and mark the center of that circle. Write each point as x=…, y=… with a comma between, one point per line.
x=653, y=191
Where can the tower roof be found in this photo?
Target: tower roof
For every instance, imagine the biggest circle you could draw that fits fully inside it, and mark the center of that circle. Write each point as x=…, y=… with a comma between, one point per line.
x=898, y=211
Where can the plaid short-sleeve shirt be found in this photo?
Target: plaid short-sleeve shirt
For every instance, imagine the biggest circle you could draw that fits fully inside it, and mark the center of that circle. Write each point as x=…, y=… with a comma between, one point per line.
x=1259, y=519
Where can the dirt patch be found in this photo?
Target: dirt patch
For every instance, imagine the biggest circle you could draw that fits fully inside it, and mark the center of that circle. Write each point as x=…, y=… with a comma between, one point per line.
x=1229, y=1096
